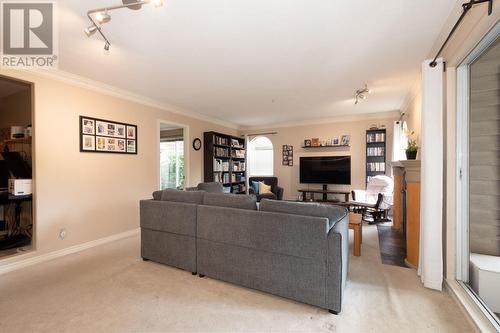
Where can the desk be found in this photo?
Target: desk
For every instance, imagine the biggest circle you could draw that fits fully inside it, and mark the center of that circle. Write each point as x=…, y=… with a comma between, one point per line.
x=7, y=199
x=325, y=194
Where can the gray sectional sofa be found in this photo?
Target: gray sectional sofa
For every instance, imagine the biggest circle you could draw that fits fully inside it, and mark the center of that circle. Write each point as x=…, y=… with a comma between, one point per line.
x=290, y=249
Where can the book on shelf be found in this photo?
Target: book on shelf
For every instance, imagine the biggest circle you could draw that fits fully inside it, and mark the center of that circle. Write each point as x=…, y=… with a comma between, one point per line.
x=221, y=141
x=220, y=165
x=221, y=152
x=239, y=153
x=376, y=151
x=375, y=166
x=226, y=189
x=375, y=137
x=239, y=166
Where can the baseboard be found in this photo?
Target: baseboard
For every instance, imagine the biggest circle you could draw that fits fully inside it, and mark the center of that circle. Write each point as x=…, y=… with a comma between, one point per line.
x=468, y=306
x=36, y=259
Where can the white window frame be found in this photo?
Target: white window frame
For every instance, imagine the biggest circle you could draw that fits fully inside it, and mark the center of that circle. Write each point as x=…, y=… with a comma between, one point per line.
x=462, y=172
x=250, y=174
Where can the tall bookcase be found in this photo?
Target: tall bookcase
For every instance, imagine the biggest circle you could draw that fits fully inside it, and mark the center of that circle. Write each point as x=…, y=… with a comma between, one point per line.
x=376, y=149
x=225, y=162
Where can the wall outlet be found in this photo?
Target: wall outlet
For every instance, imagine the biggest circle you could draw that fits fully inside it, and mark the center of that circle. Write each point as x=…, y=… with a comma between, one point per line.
x=62, y=234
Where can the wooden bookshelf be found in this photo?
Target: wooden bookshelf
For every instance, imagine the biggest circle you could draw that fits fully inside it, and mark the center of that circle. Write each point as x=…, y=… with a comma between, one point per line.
x=376, y=150
x=224, y=161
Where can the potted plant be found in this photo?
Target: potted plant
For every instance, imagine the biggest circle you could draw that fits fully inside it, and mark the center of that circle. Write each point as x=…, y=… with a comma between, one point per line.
x=412, y=149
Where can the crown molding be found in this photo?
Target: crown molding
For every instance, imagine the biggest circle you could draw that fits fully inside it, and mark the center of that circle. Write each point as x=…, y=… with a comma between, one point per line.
x=103, y=88
x=321, y=121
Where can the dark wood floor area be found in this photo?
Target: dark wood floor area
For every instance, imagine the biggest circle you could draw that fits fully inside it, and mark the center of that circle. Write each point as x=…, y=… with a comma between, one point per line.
x=392, y=245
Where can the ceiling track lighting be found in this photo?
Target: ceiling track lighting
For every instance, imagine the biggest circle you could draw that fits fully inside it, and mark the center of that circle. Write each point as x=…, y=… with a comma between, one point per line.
x=101, y=16
x=362, y=94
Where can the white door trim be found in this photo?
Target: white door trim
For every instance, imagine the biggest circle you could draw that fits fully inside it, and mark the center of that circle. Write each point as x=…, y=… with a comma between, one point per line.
x=187, y=150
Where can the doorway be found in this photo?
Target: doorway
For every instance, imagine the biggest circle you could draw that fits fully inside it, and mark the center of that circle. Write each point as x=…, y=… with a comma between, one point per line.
x=172, y=156
x=478, y=175
x=16, y=165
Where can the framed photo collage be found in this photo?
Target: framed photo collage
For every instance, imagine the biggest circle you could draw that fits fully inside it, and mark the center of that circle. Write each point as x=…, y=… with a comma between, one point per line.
x=105, y=136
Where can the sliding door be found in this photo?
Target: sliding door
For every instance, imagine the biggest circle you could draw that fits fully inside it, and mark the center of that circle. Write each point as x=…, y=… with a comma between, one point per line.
x=479, y=175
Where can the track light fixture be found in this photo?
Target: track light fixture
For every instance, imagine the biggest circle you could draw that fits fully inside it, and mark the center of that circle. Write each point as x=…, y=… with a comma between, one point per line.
x=103, y=17
x=362, y=93
x=100, y=16
x=90, y=30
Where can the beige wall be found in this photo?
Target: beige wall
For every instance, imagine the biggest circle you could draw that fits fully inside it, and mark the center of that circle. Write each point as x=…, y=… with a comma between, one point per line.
x=15, y=110
x=94, y=195
x=289, y=176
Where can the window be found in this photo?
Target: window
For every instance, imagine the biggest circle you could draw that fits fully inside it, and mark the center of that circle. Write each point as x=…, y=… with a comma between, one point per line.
x=171, y=164
x=260, y=157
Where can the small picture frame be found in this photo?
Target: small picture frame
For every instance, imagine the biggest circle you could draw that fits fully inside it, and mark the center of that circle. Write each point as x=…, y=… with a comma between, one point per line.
x=287, y=155
x=131, y=146
x=88, y=143
x=307, y=143
x=315, y=142
x=346, y=140
x=88, y=126
x=131, y=132
x=335, y=141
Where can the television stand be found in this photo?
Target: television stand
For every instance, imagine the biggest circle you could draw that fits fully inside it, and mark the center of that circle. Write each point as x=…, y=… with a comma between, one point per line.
x=325, y=193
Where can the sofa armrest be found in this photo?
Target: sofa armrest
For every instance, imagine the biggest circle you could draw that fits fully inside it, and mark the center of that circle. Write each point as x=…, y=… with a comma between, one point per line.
x=168, y=216
x=338, y=263
x=279, y=192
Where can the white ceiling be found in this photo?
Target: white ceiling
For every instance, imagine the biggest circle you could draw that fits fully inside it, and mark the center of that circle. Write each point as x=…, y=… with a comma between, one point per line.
x=259, y=62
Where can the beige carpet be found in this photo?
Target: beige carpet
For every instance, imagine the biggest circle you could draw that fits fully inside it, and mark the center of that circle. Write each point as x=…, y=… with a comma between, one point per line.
x=110, y=289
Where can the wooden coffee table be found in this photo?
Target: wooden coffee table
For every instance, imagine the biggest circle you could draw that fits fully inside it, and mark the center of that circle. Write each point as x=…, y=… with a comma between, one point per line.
x=356, y=224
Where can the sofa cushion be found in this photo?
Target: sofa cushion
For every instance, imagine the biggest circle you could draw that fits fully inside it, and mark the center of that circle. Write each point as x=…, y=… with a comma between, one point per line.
x=157, y=195
x=230, y=200
x=194, y=197
x=255, y=186
x=332, y=212
x=263, y=188
x=211, y=187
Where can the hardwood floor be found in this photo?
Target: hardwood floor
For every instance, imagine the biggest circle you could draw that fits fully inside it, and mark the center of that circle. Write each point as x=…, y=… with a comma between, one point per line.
x=392, y=245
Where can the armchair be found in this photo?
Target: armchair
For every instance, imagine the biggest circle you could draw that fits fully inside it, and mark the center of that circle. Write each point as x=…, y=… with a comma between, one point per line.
x=277, y=191
x=376, y=200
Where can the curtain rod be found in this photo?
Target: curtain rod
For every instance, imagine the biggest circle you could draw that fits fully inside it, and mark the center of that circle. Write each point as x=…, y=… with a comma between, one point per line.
x=257, y=134
x=466, y=7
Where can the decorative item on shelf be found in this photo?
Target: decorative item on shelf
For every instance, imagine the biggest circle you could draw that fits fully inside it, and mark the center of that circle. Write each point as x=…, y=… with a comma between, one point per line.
x=17, y=132
x=105, y=136
x=197, y=144
x=335, y=141
x=315, y=142
x=307, y=143
x=287, y=155
x=412, y=149
x=346, y=140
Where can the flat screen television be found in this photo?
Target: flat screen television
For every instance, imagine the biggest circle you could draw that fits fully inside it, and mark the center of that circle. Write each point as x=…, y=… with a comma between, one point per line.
x=325, y=170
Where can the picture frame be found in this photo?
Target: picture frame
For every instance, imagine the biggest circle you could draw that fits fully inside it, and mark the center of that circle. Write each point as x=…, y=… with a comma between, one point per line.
x=346, y=140
x=287, y=155
x=106, y=136
x=335, y=141
x=315, y=142
x=307, y=143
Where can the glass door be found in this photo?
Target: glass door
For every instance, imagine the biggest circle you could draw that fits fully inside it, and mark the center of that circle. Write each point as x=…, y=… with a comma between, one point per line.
x=479, y=175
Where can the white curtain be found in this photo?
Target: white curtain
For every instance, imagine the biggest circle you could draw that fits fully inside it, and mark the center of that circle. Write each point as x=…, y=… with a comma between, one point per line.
x=400, y=141
x=430, y=266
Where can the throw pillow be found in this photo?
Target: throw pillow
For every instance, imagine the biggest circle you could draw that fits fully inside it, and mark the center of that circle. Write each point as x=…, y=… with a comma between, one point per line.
x=263, y=188
x=255, y=186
